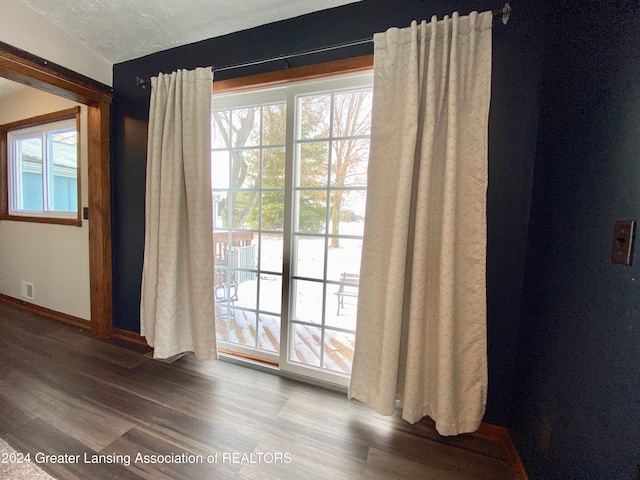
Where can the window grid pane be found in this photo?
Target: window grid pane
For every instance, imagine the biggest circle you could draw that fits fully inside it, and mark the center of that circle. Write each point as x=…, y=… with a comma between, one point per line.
x=28, y=153
x=332, y=150
x=319, y=240
x=43, y=169
x=248, y=196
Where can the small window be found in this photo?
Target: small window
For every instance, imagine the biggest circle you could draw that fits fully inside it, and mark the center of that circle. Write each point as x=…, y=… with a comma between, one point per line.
x=42, y=168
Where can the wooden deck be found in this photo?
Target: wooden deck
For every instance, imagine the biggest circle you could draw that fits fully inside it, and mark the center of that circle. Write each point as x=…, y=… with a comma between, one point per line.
x=244, y=330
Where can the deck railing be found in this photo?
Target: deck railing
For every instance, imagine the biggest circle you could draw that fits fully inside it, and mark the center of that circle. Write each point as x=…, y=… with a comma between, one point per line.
x=240, y=254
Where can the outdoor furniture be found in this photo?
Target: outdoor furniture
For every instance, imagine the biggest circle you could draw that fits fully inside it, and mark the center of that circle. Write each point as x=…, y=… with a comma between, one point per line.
x=349, y=283
x=225, y=297
x=226, y=292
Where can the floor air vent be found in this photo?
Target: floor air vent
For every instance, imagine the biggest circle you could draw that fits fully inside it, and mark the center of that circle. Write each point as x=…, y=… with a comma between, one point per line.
x=26, y=290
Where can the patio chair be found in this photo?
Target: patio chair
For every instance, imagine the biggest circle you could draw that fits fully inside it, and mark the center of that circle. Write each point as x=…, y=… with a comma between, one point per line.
x=225, y=294
x=349, y=283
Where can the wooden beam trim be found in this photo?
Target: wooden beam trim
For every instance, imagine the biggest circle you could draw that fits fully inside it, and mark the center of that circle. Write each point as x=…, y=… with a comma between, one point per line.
x=67, y=114
x=128, y=336
x=500, y=436
x=74, y=222
x=512, y=458
x=101, y=278
x=60, y=115
x=280, y=77
x=30, y=70
x=39, y=62
x=21, y=66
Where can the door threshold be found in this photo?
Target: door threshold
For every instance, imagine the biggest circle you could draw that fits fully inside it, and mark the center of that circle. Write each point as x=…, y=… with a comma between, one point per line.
x=269, y=367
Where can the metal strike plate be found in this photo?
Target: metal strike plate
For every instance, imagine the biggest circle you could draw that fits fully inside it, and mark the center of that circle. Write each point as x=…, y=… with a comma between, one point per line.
x=623, y=236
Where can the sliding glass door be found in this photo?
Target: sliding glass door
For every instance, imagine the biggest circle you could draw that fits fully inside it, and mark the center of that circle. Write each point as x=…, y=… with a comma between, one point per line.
x=289, y=190
x=248, y=180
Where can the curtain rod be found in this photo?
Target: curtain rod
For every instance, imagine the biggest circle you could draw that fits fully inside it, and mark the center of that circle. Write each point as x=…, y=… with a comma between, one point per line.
x=500, y=17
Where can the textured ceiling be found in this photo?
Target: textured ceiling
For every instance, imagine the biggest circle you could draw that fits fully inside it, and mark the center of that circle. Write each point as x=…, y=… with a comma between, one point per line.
x=125, y=29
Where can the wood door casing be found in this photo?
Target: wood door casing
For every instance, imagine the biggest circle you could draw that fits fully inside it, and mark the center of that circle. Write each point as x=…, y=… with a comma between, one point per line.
x=23, y=67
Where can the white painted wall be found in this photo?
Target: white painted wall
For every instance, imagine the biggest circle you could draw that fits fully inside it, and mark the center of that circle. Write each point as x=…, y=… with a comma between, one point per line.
x=55, y=258
x=24, y=28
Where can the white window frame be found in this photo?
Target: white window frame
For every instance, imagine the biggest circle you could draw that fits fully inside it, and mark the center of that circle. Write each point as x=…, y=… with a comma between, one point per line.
x=290, y=94
x=39, y=127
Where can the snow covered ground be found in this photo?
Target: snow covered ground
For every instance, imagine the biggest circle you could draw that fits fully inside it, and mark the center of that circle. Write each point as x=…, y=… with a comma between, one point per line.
x=309, y=296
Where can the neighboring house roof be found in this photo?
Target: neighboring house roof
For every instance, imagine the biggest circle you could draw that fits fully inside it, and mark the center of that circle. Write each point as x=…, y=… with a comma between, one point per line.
x=65, y=154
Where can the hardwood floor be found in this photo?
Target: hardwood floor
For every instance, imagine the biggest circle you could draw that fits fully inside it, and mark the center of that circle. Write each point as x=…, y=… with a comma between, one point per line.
x=65, y=393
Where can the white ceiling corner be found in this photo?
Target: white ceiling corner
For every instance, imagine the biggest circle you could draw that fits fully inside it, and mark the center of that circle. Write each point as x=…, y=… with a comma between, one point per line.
x=122, y=30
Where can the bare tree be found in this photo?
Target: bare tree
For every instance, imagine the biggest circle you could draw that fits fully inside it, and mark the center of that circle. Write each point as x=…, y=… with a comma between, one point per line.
x=350, y=149
x=239, y=166
x=352, y=118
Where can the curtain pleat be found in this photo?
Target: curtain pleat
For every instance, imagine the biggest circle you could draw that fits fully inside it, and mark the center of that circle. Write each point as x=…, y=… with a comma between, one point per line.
x=177, y=303
x=421, y=329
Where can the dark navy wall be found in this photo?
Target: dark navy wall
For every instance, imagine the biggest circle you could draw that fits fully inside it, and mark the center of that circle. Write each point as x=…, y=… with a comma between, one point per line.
x=577, y=407
x=517, y=60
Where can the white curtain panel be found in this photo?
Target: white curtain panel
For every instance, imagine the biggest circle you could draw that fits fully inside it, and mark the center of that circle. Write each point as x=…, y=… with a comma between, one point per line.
x=421, y=332
x=177, y=304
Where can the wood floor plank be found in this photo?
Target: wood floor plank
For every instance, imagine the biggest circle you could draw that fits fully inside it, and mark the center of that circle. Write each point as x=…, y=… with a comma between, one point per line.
x=84, y=344
x=32, y=323
x=19, y=469
x=13, y=415
x=38, y=438
x=73, y=416
x=65, y=392
x=138, y=443
x=233, y=391
x=164, y=419
x=295, y=460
